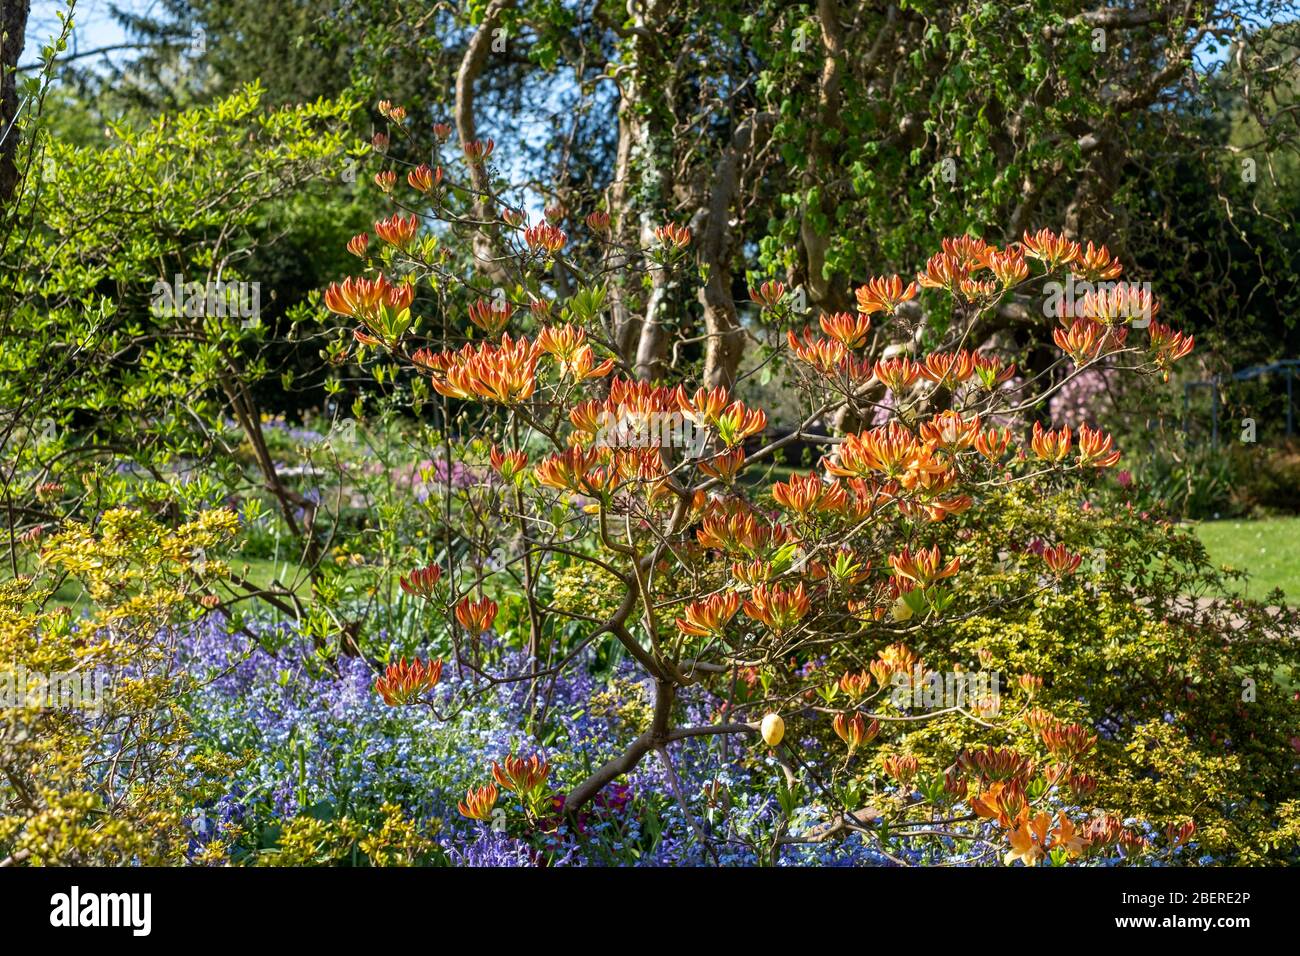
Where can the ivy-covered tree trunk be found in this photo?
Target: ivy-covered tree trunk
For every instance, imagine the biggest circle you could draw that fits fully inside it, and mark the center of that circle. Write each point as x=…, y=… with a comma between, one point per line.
x=13, y=27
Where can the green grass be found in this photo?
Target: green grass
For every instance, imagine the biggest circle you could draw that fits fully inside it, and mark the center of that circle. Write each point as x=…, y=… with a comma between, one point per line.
x=1268, y=549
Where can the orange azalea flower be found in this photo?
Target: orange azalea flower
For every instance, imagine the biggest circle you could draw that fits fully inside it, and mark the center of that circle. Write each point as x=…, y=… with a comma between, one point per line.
x=1002, y=801
x=1104, y=830
x=568, y=344
x=768, y=295
x=706, y=405
x=726, y=465
x=584, y=365
x=568, y=470
x=972, y=289
x=1051, y=445
x=1031, y=684
x=848, y=329
x=366, y=299
x=898, y=657
x=588, y=417
x=524, y=777
x=855, y=731
x=939, y=508
x=385, y=180
x=492, y=315
x=423, y=179
x=1082, y=784
x=504, y=373
x=1029, y=839
x=398, y=230
x=476, y=616
x=992, y=443
x=1067, y=836
x=1132, y=843
x=882, y=671
x=1009, y=267
x=1117, y=304
x=804, y=494
x=738, y=423
x=1168, y=346
x=925, y=567
x=358, y=244
x=479, y=802
x=825, y=355
x=990, y=371
x=709, y=616
x=739, y=532
x=955, y=785
x=902, y=768
x=508, y=464
x=561, y=341
x=777, y=606
x=477, y=150
x=751, y=572
x=598, y=221
x=882, y=294
x=972, y=252
x=1060, y=560
x=855, y=685
x=948, y=367
x=943, y=271
x=1095, y=448
x=949, y=431
x=420, y=582
x=1050, y=249
x=1096, y=264
x=1067, y=741
x=545, y=236
x=405, y=683
x=671, y=234
x=1082, y=341
x=898, y=373
x=890, y=449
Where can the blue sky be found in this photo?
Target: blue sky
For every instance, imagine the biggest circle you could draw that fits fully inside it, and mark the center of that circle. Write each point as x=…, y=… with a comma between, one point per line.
x=94, y=25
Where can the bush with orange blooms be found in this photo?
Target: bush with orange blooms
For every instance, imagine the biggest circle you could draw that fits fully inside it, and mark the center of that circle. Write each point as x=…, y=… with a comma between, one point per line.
x=802, y=603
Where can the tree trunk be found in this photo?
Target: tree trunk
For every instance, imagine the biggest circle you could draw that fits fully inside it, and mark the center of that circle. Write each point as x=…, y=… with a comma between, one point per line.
x=13, y=28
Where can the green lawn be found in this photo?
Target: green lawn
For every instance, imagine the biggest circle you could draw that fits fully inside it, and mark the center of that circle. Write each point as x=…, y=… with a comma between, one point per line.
x=1269, y=549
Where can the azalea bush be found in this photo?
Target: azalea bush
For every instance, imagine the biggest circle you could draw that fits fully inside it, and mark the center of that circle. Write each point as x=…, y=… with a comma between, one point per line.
x=822, y=616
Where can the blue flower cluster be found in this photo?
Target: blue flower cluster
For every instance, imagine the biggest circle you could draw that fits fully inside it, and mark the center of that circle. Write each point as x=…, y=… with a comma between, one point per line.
x=320, y=741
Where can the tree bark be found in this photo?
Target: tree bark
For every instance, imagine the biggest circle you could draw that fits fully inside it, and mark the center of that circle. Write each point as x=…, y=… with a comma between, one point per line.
x=13, y=28
x=718, y=243
x=485, y=244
